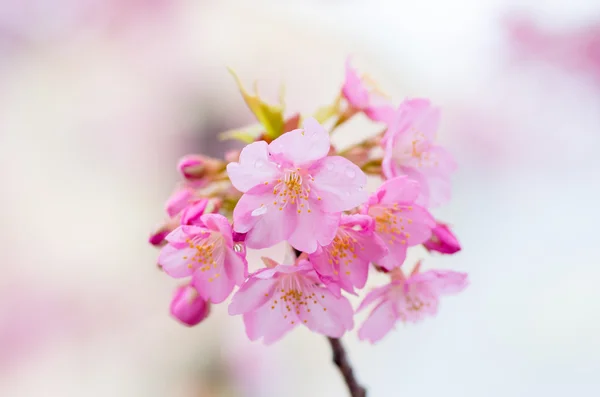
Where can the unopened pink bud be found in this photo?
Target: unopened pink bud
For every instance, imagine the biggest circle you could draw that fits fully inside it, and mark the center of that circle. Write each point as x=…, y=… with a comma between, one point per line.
x=178, y=201
x=158, y=238
x=193, y=212
x=192, y=166
x=442, y=240
x=188, y=307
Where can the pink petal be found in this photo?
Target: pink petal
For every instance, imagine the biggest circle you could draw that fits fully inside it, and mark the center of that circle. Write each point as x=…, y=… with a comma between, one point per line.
x=179, y=236
x=251, y=295
x=443, y=281
x=354, y=273
x=379, y=323
x=440, y=191
x=312, y=229
x=395, y=256
x=384, y=113
x=265, y=226
x=340, y=184
x=424, y=184
x=372, y=296
x=419, y=230
x=439, y=176
x=302, y=146
x=353, y=89
x=425, y=118
x=215, y=283
x=406, y=312
x=330, y=316
x=178, y=201
x=401, y=190
x=191, y=214
x=320, y=259
x=364, y=221
x=175, y=261
x=218, y=223
x=254, y=167
x=372, y=247
x=236, y=266
x=270, y=324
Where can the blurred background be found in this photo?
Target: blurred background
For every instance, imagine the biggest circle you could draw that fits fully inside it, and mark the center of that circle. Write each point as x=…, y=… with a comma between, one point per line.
x=99, y=98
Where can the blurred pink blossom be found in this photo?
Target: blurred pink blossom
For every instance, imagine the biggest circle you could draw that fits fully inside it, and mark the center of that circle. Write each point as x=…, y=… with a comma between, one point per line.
x=576, y=50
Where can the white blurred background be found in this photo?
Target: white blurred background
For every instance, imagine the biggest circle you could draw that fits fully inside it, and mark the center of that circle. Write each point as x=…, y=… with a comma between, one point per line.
x=98, y=99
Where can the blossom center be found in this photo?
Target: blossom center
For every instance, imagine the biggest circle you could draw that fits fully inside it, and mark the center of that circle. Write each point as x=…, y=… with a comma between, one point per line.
x=342, y=251
x=292, y=189
x=296, y=296
x=208, y=252
x=392, y=221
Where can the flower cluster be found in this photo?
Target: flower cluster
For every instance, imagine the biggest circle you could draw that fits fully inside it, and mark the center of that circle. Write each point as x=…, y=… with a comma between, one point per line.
x=289, y=184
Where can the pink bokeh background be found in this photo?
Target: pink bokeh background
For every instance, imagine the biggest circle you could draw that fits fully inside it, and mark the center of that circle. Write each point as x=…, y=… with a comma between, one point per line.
x=98, y=100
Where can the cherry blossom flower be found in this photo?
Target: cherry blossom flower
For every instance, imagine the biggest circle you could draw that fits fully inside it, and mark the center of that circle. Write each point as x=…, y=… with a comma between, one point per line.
x=362, y=95
x=206, y=252
x=410, y=150
x=345, y=262
x=188, y=307
x=442, y=240
x=276, y=299
x=293, y=191
x=407, y=299
x=399, y=222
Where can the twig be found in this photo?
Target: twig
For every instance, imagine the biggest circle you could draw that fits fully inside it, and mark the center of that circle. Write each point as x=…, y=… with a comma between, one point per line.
x=340, y=358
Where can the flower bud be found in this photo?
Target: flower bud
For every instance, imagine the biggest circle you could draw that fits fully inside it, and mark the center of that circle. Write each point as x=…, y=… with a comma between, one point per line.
x=194, y=166
x=191, y=166
x=188, y=307
x=178, y=201
x=157, y=238
x=193, y=212
x=442, y=240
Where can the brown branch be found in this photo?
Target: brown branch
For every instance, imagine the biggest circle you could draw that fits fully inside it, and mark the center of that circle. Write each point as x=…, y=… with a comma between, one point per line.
x=341, y=361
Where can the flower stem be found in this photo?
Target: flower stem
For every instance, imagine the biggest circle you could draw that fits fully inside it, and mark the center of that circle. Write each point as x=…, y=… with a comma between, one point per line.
x=340, y=359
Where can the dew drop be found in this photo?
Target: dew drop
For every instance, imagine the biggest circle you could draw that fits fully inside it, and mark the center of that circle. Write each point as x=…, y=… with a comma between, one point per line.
x=350, y=173
x=259, y=211
x=237, y=247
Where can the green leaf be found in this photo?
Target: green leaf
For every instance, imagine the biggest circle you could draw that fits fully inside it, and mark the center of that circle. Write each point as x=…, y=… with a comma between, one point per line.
x=324, y=113
x=246, y=135
x=270, y=116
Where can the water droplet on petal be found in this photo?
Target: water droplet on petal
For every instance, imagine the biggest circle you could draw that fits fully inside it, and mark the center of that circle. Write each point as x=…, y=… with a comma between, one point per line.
x=258, y=163
x=350, y=173
x=237, y=247
x=259, y=211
